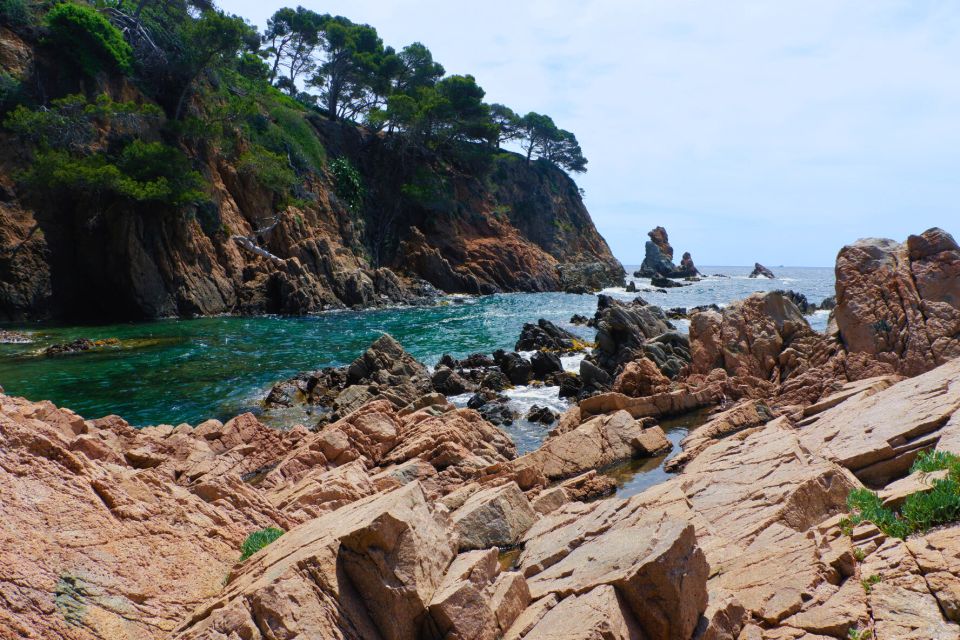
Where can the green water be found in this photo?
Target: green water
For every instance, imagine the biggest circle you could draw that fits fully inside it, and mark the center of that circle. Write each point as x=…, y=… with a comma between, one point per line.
x=175, y=371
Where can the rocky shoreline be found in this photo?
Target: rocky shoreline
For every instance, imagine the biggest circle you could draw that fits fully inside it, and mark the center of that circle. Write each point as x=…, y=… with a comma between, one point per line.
x=407, y=517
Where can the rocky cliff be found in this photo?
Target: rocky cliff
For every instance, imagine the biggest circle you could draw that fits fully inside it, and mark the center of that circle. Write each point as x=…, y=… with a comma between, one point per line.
x=414, y=219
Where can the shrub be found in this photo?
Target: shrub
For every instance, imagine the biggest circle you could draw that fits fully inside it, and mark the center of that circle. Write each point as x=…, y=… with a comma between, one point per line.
x=869, y=582
x=155, y=171
x=269, y=169
x=144, y=172
x=84, y=35
x=348, y=183
x=15, y=13
x=930, y=461
x=10, y=91
x=931, y=508
x=258, y=540
x=920, y=511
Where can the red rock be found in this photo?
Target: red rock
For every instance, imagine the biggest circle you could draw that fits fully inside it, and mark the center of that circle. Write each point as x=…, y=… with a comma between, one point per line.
x=900, y=303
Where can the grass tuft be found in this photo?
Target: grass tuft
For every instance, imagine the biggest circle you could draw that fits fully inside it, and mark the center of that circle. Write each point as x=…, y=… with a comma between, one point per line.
x=258, y=540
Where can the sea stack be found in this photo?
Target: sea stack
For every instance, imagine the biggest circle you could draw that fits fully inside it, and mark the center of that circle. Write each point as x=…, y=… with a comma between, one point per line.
x=658, y=260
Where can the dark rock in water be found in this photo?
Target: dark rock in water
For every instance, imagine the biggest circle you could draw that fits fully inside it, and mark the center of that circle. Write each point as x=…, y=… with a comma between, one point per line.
x=570, y=385
x=544, y=363
x=622, y=329
x=806, y=307
x=543, y=415
x=593, y=378
x=829, y=303
x=449, y=382
x=719, y=275
x=497, y=413
x=14, y=337
x=585, y=277
x=666, y=283
x=446, y=360
x=692, y=279
x=494, y=380
x=477, y=361
x=384, y=370
x=676, y=313
x=78, y=346
x=484, y=396
x=631, y=287
x=546, y=335
x=687, y=266
x=383, y=360
x=579, y=319
x=760, y=271
x=514, y=366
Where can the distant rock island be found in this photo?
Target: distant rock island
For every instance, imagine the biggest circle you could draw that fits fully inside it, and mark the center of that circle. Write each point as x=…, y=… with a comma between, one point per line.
x=658, y=259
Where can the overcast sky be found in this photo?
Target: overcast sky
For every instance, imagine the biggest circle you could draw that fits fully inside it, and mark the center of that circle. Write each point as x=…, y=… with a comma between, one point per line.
x=752, y=130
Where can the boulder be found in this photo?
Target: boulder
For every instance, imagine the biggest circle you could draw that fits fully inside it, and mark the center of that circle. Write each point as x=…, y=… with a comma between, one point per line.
x=542, y=415
x=640, y=377
x=543, y=364
x=384, y=370
x=622, y=330
x=916, y=329
x=514, y=366
x=748, y=337
x=494, y=517
x=657, y=569
x=392, y=549
x=597, y=443
x=665, y=283
x=546, y=335
x=450, y=383
x=599, y=614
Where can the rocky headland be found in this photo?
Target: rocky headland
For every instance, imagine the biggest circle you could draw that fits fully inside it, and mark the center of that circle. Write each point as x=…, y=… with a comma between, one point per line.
x=399, y=515
x=366, y=220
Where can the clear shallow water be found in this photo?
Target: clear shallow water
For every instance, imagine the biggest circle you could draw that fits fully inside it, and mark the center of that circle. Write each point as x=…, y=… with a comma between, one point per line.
x=174, y=371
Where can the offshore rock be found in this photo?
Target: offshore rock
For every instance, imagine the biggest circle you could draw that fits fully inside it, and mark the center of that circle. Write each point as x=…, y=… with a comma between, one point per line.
x=760, y=271
x=658, y=260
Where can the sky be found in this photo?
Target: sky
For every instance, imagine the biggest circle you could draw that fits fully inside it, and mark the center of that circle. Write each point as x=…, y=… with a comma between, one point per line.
x=754, y=131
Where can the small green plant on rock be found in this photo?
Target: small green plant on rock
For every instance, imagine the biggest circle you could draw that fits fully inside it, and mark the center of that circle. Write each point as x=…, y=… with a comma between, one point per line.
x=931, y=461
x=258, y=540
x=859, y=634
x=859, y=554
x=869, y=582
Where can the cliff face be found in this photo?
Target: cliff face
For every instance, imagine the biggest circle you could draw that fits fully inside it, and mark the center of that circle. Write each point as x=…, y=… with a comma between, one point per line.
x=461, y=222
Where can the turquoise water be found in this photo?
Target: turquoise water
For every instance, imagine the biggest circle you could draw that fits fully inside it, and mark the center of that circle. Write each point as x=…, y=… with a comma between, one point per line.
x=174, y=371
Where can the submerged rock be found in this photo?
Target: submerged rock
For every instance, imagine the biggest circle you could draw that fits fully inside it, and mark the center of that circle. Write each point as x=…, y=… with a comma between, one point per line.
x=14, y=337
x=79, y=346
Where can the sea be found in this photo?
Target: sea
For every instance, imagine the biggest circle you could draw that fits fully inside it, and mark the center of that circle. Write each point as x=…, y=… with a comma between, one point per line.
x=186, y=371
